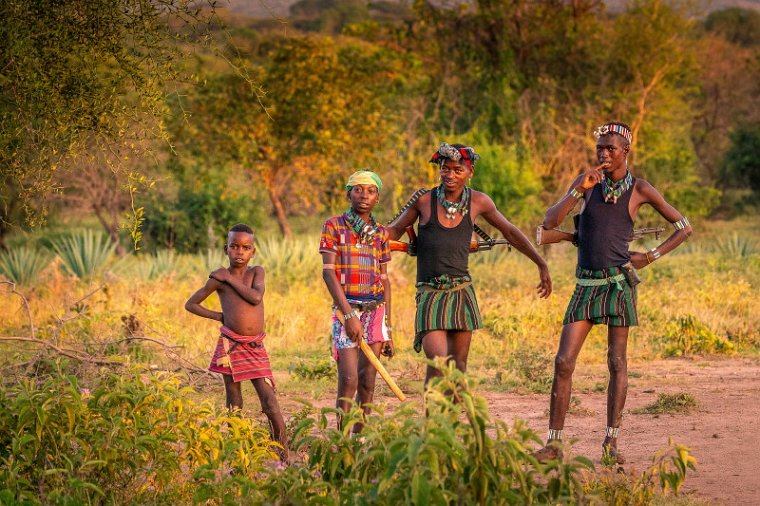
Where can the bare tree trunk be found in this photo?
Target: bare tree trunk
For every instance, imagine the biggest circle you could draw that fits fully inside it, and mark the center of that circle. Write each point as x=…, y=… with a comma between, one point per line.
x=279, y=211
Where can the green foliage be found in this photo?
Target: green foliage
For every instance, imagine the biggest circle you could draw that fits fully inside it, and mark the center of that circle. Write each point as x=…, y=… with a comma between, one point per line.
x=162, y=264
x=66, y=442
x=23, y=265
x=742, y=163
x=79, y=77
x=740, y=26
x=686, y=335
x=680, y=403
x=455, y=454
x=666, y=473
x=195, y=211
x=84, y=254
x=507, y=177
x=320, y=369
x=290, y=260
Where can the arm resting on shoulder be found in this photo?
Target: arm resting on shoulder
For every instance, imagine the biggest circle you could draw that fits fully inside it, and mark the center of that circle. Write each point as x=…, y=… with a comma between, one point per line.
x=253, y=294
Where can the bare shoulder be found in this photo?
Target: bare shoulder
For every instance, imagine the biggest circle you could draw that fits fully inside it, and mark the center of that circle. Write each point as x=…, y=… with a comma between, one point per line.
x=481, y=200
x=256, y=270
x=423, y=199
x=645, y=189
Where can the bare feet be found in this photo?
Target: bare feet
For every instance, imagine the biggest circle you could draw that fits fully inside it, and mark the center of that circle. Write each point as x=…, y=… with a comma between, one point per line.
x=552, y=451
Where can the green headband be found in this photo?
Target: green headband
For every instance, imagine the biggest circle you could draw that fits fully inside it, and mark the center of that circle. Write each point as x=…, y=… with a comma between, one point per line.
x=364, y=177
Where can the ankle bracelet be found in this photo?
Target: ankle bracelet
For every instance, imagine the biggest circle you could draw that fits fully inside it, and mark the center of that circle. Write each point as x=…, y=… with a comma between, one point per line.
x=555, y=434
x=612, y=432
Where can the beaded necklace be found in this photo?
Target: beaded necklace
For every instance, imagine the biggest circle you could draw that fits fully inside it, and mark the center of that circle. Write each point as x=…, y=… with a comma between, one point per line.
x=612, y=191
x=365, y=231
x=452, y=208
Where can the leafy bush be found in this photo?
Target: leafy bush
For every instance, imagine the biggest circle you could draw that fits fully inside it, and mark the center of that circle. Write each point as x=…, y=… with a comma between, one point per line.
x=320, y=369
x=129, y=438
x=667, y=473
x=85, y=253
x=455, y=454
x=686, y=335
x=23, y=265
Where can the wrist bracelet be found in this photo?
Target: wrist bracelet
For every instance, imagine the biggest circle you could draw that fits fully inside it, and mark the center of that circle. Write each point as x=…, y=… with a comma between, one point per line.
x=655, y=253
x=648, y=260
x=575, y=193
x=348, y=316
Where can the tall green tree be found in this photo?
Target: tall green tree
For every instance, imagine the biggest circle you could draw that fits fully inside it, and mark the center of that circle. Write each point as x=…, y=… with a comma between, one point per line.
x=323, y=115
x=82, y=76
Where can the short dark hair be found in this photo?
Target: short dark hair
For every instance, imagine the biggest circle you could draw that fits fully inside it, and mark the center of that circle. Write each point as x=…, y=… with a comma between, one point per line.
x=241, y=227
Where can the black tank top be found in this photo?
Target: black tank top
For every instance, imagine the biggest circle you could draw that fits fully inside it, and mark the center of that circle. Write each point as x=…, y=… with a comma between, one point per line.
x=442, y=250
x=603, y=231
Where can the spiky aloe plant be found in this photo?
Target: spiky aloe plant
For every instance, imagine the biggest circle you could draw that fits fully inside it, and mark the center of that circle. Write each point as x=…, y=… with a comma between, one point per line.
x=294, y=259
x=737, y=246
x=85, y=253
x=23, y=265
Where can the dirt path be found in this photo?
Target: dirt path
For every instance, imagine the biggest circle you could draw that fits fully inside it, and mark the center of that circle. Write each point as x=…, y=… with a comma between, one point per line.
x=722, y=432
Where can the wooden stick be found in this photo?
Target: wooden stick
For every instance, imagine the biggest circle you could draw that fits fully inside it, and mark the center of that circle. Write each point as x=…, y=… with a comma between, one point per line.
x=375, y=362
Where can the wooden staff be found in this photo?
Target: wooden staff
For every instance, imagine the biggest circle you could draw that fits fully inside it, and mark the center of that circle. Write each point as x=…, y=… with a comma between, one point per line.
x=375, y=362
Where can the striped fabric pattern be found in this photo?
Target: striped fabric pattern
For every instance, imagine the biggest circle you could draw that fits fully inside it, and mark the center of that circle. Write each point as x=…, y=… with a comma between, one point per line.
x=248, y=358
x=454, y=309
x=610, y=304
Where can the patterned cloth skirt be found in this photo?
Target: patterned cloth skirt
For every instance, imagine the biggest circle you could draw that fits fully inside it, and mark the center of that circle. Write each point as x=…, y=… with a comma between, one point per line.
x=242, y=357
x=611, y=303
x=452, y=309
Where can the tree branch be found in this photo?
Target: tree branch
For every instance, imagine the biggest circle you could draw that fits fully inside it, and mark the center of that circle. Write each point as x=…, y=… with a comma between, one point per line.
x=12, y=287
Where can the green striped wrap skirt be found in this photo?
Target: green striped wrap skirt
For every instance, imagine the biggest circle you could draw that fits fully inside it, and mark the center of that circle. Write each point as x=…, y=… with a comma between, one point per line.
x=611, y=303
x=452, y=309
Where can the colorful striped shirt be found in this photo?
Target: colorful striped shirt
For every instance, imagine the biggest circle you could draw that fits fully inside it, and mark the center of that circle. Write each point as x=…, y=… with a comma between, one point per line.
x=357, y=265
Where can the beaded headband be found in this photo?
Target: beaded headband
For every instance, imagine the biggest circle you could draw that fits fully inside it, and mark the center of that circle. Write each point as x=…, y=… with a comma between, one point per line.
x=455, y=154
x=613, y=128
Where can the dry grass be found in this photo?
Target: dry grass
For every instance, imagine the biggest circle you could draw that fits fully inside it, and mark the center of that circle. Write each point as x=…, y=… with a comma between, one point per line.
x=715, y=286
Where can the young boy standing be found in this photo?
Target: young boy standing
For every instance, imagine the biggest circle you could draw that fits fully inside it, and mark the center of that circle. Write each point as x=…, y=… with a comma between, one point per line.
x=240, y=354
x=355, y=252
